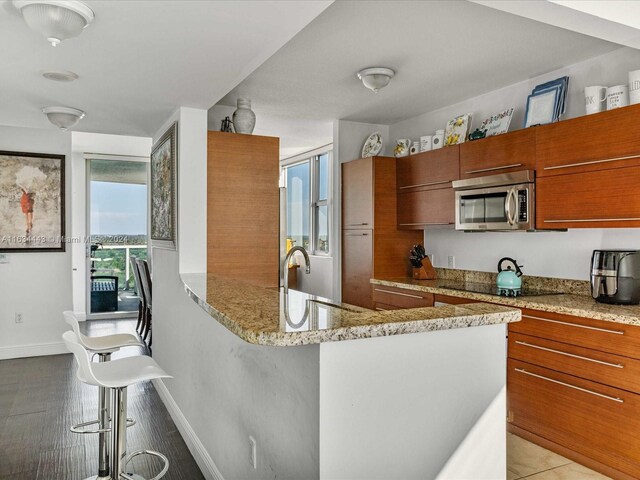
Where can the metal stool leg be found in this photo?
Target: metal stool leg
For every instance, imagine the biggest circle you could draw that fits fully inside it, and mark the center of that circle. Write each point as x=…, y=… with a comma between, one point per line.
x=103, y=415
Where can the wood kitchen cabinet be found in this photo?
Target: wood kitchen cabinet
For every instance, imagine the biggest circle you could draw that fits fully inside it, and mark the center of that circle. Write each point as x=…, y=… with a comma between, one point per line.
x=573, y=386
x=243, y=207
x=506, y=153
x=394, y=298
x=591, y=199
x=425, y=195
x=372, y=245
x=590, y=143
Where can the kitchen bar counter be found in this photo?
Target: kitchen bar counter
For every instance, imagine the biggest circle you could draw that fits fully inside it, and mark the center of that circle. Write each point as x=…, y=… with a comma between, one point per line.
x=576, y=303
x=265, y=316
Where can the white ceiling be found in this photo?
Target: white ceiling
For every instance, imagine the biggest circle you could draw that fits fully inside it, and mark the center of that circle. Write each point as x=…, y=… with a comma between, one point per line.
x=140, y=60
x=443, y=51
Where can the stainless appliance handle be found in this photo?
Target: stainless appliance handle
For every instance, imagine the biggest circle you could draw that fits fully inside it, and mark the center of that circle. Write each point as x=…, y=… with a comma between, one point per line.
x=605, y=330
x=559, y=352
x=578, y=220
x=398, y=293
x=602, y=395
x=355, y=224
x=593, y=162
x=514, y=196
x=494, y=168
x=356, y=234
x=507, y=207
x=426, y=184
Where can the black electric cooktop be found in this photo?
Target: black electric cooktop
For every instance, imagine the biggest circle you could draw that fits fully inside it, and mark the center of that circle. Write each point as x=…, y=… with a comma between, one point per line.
x=490, y=289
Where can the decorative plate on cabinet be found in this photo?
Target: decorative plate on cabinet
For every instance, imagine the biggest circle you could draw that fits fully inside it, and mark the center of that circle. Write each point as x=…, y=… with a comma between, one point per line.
x=373, y=145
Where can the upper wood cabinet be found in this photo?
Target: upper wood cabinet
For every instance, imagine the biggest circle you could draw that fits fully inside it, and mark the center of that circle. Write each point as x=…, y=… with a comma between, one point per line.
x=426, y=208
x=506, y=153
x=357, y=194
x=432, y=169
x=593, y=142
x=600, y=199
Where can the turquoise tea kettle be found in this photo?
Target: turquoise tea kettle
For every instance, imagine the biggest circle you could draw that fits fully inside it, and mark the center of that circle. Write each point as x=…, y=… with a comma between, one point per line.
x=509, y=276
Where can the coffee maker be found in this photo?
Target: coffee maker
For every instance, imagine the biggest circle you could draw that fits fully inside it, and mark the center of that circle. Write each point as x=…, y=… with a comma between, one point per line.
x=615, y=276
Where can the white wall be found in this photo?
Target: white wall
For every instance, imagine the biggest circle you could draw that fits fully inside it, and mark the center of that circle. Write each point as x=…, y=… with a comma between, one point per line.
x=81, y=143
x=564, y=255
x=38, y=285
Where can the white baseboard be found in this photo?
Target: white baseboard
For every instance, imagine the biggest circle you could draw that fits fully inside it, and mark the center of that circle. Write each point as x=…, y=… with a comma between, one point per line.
x=33, y=350
x=197, y=449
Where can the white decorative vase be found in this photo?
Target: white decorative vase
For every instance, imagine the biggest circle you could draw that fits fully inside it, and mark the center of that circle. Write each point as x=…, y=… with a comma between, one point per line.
x=244, y=120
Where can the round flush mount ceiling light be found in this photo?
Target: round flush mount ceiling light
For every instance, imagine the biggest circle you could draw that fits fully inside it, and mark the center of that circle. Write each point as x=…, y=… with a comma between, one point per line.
x=63, y=117
x=60, y=76
x=375, y=78
x=57, y=20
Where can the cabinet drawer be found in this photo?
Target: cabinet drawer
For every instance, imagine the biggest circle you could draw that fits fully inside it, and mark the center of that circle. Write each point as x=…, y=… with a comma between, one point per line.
x=432, y=169
x=420, y=209
x=450, y=300
x=599, y=335
x=400, y=297
x=601, y=367
x=506, y=153
x=603, y=199
x=595, y=420
x=592, y=142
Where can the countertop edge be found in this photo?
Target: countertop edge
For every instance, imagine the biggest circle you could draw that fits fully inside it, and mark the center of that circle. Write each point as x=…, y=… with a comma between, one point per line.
x=529, y=302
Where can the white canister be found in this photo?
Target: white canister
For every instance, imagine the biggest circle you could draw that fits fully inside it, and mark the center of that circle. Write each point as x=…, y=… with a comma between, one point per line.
x=425, y=143
x=595, y=99
x=634, y=87
x=415, y=148
x=438, y=139
x=617, y=97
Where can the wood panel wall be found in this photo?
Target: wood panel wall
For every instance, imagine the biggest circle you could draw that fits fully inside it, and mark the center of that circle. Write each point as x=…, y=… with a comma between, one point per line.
x=243, y=207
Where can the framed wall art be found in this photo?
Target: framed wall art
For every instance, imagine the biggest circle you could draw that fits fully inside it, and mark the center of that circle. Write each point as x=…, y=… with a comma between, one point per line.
x=164, y=190
x=31, y=202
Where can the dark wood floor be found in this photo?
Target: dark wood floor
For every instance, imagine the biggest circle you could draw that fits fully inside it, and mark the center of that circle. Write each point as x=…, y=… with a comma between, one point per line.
x=40, y=398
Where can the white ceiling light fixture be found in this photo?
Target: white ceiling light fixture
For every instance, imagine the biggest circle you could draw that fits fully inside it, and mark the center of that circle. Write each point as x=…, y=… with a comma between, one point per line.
x=375, y=78
x=57, y=20
x=63, y=117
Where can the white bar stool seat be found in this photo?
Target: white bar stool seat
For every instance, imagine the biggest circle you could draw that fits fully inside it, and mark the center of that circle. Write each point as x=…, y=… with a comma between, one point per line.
x=117, y=375
x=103, y=346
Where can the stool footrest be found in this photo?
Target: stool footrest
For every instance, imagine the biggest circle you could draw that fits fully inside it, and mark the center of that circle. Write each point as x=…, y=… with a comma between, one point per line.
x=153, y=453
x=79, y=428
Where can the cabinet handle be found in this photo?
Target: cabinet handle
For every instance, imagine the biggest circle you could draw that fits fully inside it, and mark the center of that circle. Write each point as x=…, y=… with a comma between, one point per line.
x=602, y=395
x=398, y=293
x=605, y=330
x=494, y=168
x=355, y=224
x=382, y=309
x=577, y=220
x=592, y=162
x=425, y=223
x=615, y=365
x=356, y=234
x=426, y=184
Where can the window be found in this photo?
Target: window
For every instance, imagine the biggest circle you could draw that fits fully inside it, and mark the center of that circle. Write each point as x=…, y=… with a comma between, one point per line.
x=308, y=190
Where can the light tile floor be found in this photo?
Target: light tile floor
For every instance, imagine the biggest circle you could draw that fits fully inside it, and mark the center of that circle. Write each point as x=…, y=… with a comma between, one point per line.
x=530, y=461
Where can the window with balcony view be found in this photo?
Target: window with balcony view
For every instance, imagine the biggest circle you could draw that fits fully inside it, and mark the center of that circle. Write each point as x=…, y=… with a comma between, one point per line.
x=307, y=182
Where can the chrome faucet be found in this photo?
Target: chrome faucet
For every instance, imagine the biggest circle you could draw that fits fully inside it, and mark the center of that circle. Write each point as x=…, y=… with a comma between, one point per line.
x=285, y=265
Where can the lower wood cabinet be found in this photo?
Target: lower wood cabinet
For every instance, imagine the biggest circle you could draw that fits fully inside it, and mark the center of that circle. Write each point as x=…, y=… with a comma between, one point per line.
x=573, y=386
x=357, y=269
x=387, y=298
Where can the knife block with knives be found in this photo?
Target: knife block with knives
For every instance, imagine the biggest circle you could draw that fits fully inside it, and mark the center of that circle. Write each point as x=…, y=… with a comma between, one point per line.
x=422, y=267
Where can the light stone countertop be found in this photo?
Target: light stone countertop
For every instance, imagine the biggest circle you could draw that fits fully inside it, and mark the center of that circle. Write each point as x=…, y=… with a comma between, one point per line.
x=575, y=303
x=264, y=316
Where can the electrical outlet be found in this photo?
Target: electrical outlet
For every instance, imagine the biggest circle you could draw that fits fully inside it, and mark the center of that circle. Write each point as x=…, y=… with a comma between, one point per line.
x=18, y=317
x=253, y=452
x=451, y=261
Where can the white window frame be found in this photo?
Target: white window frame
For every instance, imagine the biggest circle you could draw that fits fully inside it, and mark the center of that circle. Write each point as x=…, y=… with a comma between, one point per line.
x=314, y=166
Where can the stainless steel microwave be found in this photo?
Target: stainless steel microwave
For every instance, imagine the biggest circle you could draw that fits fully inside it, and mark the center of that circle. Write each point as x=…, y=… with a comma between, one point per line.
x=496, y=202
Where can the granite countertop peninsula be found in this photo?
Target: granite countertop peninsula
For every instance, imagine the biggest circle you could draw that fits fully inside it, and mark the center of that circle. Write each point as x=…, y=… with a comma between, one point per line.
x=266, y=316
x=575, y=299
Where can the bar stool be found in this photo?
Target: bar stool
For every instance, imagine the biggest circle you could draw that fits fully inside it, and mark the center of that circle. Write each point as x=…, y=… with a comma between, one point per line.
x=102, y=346
x=117, y=375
